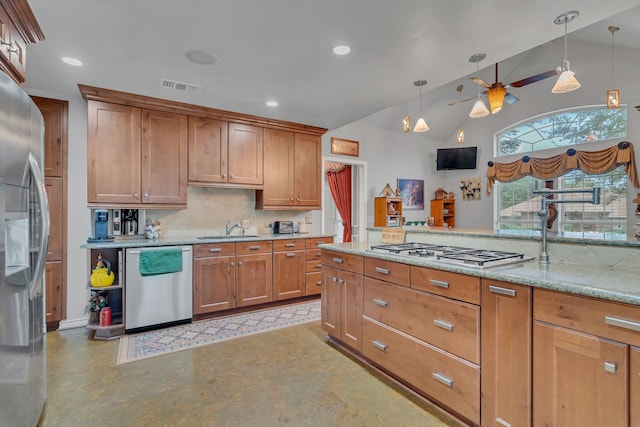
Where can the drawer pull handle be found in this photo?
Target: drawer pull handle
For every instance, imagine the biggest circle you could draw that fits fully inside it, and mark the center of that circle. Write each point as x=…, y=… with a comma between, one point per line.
x=290, y=254
x=319, y=283
x=379, y=345
x=443, y=379
x=338, y=260
x=254, y=248
x=319, y=254
x=319, y=266
x=382, y=270
x=502, y=291
x=289, y=245
x=380, y=302
x=213, y=250
x=439, y=283
x=442, y=324
x=610, y=367
x=622, y=323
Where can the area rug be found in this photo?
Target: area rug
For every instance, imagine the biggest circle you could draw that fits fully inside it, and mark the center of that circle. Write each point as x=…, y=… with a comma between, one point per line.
x=170, y=340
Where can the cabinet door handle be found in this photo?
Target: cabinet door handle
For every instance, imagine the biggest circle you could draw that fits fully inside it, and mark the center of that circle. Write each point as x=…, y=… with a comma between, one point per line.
x=289, y=245
x=442, y=324
x=442, y=378
x=239, y=263
x=146, y=194
x=380, y=302
x=338, y=260
x=610, y=367
x=335, y=279
x=319, y=254
x=341, y=281
x=135, y=194
x=231, y=264
x=254, y=248
x=213, y=250
x=290, y=254
x=291, y=199
x=379, y=345
x=319, y=283
x=502, y=291
x=439, y=283
x=319, y=266
x=622, y=323
x=382, y=270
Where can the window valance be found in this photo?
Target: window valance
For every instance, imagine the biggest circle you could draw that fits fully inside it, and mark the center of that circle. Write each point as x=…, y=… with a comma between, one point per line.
x=334, y=166
x=589, y=162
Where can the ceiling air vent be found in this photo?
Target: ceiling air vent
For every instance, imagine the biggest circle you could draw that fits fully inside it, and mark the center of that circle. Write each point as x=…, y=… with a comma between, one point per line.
x=185, y=87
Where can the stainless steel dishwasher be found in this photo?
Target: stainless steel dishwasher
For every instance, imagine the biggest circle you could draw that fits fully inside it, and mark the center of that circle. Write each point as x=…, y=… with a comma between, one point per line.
x=160, y=299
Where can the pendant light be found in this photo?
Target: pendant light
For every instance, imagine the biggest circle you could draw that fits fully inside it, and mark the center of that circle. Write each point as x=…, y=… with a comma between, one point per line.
x=613, y=95
x=479, y=109
x=421, y=125
x=460, y=132
x=567, y=81
x=406, y=120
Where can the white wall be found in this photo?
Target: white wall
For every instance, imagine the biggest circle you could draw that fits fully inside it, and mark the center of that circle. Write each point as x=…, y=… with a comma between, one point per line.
x=392, y=154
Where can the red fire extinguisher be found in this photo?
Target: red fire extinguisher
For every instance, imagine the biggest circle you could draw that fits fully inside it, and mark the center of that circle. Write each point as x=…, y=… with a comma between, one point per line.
x=105, y=316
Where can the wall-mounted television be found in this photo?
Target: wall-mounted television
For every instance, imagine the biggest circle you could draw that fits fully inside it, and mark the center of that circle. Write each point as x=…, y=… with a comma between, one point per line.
x=456, y=158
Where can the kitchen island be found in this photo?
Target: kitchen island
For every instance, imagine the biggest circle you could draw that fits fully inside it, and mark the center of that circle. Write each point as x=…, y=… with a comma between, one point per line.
x=519, y=344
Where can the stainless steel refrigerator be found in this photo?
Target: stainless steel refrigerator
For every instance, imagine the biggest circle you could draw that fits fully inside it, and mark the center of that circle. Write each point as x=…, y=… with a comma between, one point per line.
x=24, y=236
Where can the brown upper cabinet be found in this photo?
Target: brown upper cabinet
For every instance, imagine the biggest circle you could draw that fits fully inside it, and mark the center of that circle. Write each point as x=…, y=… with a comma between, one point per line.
x=135, y=156
x=18, y=27
x=223, y=154
x=292, y=177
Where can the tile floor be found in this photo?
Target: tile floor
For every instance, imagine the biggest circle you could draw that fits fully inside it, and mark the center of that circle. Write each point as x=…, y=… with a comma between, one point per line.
x=285, y=377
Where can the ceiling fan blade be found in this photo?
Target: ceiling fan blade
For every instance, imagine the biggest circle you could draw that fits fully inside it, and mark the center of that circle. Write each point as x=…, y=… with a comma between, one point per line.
x=534, y=79
x=462, y=100
x=480, y=82
x=510, y=99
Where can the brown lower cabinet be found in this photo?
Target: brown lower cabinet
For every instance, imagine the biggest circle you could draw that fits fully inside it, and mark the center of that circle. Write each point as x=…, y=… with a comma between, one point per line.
x=214, y=277
x=254, y=276
x=635, y=386
x=288, y=269
x=53, y=280
x=506, y=354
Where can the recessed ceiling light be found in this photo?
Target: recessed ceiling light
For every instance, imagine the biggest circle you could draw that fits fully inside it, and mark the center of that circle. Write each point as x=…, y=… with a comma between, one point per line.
x=272, y=103
x=72, y=61
x=341, y=49
x=202, y=57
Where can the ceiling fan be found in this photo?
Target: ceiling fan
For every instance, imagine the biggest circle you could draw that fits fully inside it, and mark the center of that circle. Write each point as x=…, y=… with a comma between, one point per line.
x=497, y=92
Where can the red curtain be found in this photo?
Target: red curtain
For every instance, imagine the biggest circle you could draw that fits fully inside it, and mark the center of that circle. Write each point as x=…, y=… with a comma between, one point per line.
x=340, y=185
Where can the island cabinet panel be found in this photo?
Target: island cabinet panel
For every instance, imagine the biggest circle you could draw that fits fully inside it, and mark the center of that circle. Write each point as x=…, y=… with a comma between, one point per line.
x=579, y=379
x=389, y=271
x=453, y=326
x=450, y=380
x=450, y=285
x=342, y=299
x=343, y=261
x=635, y=386
x=506, y=354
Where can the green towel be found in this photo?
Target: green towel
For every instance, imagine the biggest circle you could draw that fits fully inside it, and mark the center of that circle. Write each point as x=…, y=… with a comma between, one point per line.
x=160, y=261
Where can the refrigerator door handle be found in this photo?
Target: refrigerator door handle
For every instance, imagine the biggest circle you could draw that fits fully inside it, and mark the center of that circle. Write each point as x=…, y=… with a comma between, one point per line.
x=43, y=245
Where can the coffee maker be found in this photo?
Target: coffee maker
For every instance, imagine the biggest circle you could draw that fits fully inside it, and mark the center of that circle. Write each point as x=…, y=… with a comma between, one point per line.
x=129, y=222
x=101, y=224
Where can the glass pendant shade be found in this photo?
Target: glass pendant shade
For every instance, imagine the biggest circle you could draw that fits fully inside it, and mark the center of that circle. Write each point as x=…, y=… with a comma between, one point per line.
x=421, y=126
x=460, y=136
x=479, y=110
x=496, y=98
x=567, y=81
x=406, y=124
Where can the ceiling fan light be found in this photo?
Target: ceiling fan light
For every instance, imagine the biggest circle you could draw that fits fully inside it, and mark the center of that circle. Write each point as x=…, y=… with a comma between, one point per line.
x=496, y=98
x=479, y=110
x=421, y=126
x=567, y=82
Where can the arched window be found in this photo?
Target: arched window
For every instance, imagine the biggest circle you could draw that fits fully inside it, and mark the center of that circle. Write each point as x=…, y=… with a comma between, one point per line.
x=516, y=205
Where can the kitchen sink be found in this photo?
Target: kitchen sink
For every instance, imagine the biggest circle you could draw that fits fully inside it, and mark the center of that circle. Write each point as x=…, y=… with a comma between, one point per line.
x=246, y=236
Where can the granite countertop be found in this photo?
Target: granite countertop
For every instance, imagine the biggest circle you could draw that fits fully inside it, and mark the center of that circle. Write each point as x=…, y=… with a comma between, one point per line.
x=597, y=282
x=136, y=242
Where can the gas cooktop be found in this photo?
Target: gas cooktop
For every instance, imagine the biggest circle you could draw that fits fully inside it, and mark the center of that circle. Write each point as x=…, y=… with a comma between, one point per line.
x=480, y=258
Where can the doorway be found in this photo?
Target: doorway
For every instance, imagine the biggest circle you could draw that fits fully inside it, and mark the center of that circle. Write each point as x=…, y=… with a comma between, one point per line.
x=331, y=221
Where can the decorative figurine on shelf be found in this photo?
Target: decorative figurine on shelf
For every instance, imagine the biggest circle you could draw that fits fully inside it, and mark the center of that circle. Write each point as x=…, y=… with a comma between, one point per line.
x=96, y=303
x=152, y=229
x=387, y=191
x=440, y=193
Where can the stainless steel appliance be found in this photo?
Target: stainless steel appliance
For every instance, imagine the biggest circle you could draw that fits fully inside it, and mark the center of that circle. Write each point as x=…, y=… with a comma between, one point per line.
x=24, y=235
x=283, y=227
x=129, y=222
x=478, y=258
x=160, y=299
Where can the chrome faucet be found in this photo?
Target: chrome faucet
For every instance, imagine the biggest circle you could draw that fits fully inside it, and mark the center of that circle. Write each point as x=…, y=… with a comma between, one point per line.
x=543, y=213
x=229, y=228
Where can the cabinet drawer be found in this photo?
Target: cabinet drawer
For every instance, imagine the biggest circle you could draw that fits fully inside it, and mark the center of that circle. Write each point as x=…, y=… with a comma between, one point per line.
x=313, y=283
x=254, y=247
x=315, y=254
x=214, y=249
x=389, y=271
x=342, y=261
x=445, y=378
x=312, y=243
x=619, y=322
x=315, y=265
x=288, y=245
x=451, y=285
x=451, y=325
